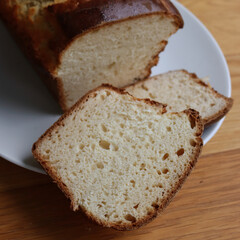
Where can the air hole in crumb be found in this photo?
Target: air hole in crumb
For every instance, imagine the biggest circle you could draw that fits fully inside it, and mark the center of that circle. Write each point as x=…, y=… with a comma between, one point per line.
x=155, y=205
x=134, y=164
x=130, y=218
x=81, y=146
x=115, y=147
x=150, y=125
x=165, y=171
x=99, y=205
x=136, y=206
x=165, y=156
x=169, y=129
x=111, y=65
x=106, y=216
x=103, y=97
x=115, y=216
x=149, y=212
x=193, y=143
x=152, y=96
x=103, y=202
x=192, y=121
x=142, y=167
x=213, y=104
x=48, y=151
x=144, y=87
x=133, y=183
x=104, y=144
x=159, y=172
x=100, y=165
x=180, y=152
x=108, y=93
x=115, y=72
x=104, y=128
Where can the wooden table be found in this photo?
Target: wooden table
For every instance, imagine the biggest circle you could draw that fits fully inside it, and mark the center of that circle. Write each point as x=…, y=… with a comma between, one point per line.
x=207, y=207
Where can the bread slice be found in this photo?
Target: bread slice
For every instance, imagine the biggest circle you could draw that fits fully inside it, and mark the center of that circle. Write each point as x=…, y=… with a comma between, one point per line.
x=77, y=45
x=181, y=90
x=120, y=159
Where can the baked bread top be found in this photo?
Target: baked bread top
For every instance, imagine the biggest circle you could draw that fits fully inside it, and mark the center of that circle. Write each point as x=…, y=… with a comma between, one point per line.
x=78, y=16
x=78, y=45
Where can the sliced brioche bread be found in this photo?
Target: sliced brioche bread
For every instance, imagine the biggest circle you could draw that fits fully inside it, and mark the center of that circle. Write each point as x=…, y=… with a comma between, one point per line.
x=78, y=45
x=181, y=90
x=120, y=159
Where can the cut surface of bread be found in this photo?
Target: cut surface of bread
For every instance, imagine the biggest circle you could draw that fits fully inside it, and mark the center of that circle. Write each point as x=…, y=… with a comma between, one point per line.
x=181, y=90
x=81, y=44
x=116, y=54
x=120, y=159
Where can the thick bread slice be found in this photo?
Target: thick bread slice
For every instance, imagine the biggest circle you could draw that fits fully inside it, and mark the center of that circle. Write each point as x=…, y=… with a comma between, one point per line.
x=120, y=159
x=78, y=45
x=181, y=90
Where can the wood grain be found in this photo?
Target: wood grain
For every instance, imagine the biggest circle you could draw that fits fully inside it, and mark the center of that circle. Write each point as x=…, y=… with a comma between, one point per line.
x=221, y=17
x=208, y=205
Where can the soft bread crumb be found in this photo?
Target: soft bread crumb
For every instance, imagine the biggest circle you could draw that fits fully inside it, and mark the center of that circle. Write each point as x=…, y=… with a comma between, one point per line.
x=119, y=159
x=181, y=90
x=117, y=54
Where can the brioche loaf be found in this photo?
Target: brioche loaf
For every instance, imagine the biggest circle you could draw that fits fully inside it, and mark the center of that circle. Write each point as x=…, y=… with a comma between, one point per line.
x=120, y=159
x=181, y=90
x=77, y=45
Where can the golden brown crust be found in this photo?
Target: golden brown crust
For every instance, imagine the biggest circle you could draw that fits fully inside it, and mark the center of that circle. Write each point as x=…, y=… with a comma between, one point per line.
x=27, y=38
x=221, y=113
x=193, y=77
x=77, y=16
x=44, y=45
x=192, y=114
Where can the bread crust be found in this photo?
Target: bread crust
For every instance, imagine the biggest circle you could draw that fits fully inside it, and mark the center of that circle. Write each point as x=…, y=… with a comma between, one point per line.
x=65, y=28
x=193, y=77
x=100, y=12
x=229, y=101
x=193, y=116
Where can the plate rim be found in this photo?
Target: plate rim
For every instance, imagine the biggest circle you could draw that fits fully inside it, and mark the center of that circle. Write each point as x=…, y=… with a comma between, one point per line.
x=219, y=123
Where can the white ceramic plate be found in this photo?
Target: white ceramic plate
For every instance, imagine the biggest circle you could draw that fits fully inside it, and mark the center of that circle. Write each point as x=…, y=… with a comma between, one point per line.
x=27, y=109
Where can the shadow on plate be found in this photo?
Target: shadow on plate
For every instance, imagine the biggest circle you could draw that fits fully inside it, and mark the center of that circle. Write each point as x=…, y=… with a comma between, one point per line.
x=33, y=164
x=21, y=87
